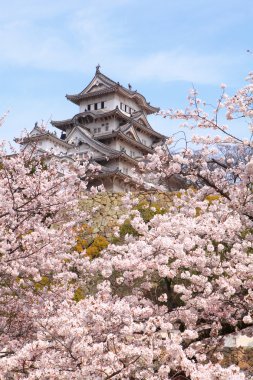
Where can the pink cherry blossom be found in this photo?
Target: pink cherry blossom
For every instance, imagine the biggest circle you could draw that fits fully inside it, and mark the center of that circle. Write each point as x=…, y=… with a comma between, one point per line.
x=152, y=305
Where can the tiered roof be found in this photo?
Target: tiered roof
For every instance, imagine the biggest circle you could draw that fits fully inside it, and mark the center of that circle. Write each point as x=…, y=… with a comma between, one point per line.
x=137, y=119
x=101, y=85
x=120, y=135
x=127, y=131
x=42, y=135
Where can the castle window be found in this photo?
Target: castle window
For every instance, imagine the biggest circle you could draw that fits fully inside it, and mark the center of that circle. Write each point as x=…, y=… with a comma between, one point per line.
x=125, y=108
x=102, y=104
x=95, y=106
x=99, y=130
x=88, y=107
x=95, y=130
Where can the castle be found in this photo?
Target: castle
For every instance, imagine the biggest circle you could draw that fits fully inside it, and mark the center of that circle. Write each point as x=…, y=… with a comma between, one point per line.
x=111, y=127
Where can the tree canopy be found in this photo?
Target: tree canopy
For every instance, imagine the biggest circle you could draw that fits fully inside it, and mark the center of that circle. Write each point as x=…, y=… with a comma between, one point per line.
x=158, y=304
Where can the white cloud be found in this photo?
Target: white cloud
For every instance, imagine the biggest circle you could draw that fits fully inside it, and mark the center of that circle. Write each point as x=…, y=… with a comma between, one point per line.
x=39, y=37
x=75, y=36
x=182, y=65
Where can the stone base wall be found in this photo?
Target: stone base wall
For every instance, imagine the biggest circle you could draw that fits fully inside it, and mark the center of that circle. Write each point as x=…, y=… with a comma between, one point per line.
x=106, y=208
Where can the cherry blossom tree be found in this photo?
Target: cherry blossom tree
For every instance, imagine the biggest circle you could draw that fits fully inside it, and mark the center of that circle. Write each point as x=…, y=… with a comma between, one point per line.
x=39, y=207
x=156, y=306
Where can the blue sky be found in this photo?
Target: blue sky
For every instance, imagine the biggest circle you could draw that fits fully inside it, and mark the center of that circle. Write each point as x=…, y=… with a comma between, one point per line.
x=50, y=48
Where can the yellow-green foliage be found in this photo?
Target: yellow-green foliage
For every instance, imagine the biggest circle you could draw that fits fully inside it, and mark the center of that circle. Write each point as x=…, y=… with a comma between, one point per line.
x=178, y=194
x=43, y=283
x=78, y=295
x=98, y=244
x=85, y=242
x=83, y=237
x=246, y=232
x=212, y=198
x=127, y=229
x=90, y=246
x=147, y=210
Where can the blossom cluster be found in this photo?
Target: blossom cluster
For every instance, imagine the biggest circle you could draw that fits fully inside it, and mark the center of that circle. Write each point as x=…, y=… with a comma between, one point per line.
x=156, y=306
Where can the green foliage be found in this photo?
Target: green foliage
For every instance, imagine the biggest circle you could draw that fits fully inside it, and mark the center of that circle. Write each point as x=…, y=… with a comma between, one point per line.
x=79, y=294
x=127, y=229
x=45, y=282
x=211, y=198
x=147, y=210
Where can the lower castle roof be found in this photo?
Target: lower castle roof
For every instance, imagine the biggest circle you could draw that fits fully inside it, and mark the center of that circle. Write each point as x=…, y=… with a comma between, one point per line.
x=121, y=135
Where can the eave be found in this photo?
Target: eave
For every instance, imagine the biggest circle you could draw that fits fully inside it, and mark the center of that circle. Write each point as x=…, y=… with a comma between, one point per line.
x=77, y=98
x=117, y=173
x=113, y=87
x=97, y=145
x=120, y=135
x=96, y=115
x=63, y=124
x=126, y=90
x=122, y=155
x=44, y=136
x=149, y=131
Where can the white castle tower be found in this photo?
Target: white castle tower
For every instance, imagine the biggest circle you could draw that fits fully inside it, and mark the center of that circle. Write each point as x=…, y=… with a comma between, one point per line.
x=111, y=126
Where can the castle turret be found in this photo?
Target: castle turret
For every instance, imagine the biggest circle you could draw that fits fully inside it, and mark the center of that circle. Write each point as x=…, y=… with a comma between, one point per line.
x=111, y=126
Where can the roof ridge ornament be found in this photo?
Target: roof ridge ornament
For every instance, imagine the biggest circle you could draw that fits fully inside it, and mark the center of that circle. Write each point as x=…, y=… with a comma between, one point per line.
x=98, y=68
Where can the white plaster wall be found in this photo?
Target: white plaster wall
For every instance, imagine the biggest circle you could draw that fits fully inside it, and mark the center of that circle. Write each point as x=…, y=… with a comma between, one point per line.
x=111, y=102
x=121, y=165
x=118, y=186
x=94, y=125
x=143, y=136
x=76, y=136
x=102, y=98
x=112, y=124
x=129, y=102
x=128, y=148
x=83, y=152
x=83, y=148
x=238, y=341
x=125, y=165
x=48, y=146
